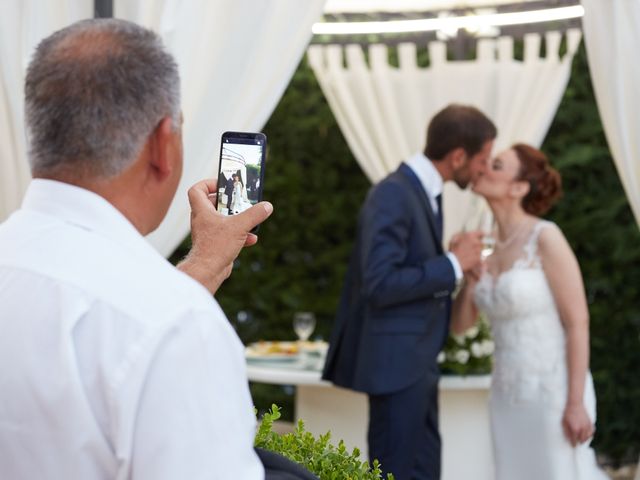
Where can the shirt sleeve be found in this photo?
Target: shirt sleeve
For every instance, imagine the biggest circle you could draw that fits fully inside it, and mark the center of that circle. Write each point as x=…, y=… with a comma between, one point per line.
x=195, y=415
x=456, y=266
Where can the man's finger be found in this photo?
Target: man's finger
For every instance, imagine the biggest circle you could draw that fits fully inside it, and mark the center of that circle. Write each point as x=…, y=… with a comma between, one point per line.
x=199, y=193
x=454, y=240
x=207, y=186
x=254, y=216
x=251, y=240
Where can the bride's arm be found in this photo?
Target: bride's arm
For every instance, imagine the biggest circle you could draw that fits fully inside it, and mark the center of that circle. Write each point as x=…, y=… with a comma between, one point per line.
x=464, y=313
x=563, y=274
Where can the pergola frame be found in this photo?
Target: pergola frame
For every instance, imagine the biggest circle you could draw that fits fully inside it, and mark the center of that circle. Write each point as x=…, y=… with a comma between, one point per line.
x=463, y=44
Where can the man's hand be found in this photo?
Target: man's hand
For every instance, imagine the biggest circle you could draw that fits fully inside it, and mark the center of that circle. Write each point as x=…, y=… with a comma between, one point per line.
x=467, y=248
x=216, y=239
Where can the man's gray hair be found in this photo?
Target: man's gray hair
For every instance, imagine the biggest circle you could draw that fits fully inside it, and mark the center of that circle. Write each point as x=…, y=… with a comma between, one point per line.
x=94, y=92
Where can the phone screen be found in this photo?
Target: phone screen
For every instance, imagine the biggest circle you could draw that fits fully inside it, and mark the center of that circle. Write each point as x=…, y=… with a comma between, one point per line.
x=240, y=171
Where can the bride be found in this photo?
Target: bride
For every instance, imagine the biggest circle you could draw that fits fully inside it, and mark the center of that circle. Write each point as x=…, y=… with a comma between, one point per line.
x=239, y=202
x=542, y=405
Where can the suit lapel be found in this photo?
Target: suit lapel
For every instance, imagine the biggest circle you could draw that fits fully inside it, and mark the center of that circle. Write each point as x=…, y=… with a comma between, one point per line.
x=418, y=190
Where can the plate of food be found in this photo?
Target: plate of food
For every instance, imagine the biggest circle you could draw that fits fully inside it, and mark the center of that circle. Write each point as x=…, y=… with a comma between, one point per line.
x=317, y=347
x=271, y=351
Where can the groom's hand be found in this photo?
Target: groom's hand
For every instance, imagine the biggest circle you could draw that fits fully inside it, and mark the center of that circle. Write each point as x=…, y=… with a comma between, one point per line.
x=467, y=248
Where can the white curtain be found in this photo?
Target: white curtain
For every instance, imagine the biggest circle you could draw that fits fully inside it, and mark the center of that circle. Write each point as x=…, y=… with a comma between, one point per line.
x=23, y=23
x=236, y=58
x=612, y=34
x=383, y=111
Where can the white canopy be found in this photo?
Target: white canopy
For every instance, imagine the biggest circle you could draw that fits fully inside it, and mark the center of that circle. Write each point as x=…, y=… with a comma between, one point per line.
x=383, y=111
x=261, y=41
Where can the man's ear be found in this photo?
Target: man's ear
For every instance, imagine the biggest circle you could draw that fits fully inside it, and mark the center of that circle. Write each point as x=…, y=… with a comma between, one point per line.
x=161, y=160
x=458, y=158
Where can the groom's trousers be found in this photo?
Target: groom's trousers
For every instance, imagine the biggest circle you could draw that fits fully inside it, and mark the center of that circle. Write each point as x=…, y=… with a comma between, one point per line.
x=403, y=430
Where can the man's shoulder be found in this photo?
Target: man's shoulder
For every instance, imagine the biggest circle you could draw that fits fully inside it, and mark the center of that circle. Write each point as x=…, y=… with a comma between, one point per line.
x=394, y=186
x=131, y=277
x=154, y=284
x=396, y=179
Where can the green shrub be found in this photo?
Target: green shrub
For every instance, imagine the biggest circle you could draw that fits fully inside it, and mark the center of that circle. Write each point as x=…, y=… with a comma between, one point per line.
x=316, y=454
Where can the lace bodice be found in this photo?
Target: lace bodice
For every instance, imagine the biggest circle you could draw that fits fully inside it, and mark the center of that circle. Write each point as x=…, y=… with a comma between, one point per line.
x=529, y=361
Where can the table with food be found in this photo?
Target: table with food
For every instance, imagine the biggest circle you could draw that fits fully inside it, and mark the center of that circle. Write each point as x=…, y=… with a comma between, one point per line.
x=323, y=407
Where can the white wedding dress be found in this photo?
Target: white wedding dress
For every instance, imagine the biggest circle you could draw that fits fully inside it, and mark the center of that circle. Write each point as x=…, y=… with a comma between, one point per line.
x=529, y=382
x=239, y=202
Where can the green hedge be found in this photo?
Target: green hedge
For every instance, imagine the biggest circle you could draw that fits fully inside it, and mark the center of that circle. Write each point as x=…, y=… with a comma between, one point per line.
x=317, y=189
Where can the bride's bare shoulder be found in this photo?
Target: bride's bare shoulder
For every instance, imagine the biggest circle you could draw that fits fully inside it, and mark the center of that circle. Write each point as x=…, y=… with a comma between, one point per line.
x=551, y=240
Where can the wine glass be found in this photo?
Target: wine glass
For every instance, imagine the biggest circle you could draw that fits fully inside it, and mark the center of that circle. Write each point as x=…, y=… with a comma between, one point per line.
x=303, y=324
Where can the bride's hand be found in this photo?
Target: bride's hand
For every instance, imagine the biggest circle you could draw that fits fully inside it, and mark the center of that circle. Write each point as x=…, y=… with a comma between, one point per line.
x=472, y=276
x=576, y=424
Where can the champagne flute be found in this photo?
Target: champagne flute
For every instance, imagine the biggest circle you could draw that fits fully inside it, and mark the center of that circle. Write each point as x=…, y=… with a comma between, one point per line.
x=485, y=225
x=303, y=324
x=479, y=217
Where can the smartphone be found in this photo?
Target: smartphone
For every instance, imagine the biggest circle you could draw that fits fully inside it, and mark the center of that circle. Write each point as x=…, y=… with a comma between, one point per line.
x=240, y=171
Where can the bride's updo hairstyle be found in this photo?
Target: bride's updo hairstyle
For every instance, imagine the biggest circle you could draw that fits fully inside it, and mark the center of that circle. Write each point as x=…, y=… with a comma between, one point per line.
x=545, y=184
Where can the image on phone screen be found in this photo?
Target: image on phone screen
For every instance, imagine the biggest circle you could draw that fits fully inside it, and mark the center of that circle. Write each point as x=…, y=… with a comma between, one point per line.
x=240, y=173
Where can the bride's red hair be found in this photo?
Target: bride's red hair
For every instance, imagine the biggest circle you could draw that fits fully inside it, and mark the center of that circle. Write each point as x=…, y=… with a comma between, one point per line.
x=545, y=184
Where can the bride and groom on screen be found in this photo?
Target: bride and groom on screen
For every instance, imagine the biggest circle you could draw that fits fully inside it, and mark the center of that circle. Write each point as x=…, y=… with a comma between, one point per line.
x=235, y=194
x=397, y=309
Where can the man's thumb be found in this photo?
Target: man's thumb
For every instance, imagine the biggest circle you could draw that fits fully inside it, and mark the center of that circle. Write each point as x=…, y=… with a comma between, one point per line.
x=255, y=215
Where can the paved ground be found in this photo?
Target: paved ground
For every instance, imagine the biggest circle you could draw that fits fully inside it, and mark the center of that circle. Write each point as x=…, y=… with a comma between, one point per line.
x=624, y=473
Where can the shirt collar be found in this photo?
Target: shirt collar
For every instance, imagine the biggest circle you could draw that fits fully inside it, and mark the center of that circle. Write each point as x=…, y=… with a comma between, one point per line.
x=81, y=208
x=427, y=174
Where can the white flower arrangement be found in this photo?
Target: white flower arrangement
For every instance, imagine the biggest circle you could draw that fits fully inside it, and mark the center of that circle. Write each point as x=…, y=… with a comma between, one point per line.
x=468, y=354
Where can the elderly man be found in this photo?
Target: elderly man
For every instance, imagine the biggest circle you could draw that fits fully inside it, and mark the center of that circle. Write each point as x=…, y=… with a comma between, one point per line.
x=115, y=364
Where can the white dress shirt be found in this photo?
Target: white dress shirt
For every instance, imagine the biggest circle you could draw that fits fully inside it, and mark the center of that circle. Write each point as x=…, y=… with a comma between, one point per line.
x=433, y=185
x=113, y=364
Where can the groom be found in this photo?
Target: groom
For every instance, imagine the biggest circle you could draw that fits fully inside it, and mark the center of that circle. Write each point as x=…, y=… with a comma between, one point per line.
x=228, y=191
x=393, y=317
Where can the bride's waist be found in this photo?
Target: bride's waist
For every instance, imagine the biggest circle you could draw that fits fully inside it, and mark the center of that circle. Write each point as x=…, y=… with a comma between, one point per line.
x=549, y=376
x=543, y=359
x=526, y=348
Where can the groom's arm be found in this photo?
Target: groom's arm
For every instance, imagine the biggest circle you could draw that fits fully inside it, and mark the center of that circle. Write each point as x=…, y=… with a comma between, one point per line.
x=387, y=278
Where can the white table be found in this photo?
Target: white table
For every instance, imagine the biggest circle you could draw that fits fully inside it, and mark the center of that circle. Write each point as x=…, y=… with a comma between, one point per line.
x=464, y=419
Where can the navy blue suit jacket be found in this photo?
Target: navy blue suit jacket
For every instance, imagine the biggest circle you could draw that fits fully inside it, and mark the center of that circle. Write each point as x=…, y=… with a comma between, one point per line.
x=393, y=316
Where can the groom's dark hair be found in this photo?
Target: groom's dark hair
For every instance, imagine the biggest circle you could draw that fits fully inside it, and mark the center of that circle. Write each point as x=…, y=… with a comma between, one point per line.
x=458, y=126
